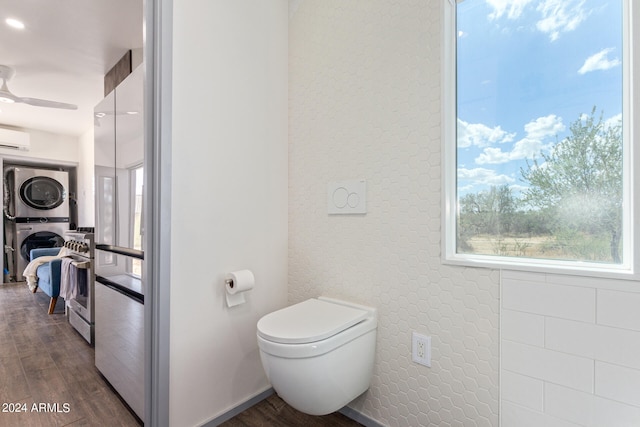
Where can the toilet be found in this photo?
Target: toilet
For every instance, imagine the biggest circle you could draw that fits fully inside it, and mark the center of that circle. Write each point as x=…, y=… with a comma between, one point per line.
x=318, y=354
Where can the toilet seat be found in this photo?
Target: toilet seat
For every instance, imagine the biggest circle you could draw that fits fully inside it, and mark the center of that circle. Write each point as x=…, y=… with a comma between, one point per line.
x=319, y=354
x=309, y=321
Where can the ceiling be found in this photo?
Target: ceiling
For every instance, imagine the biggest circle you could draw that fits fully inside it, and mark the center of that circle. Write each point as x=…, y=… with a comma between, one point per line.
x=62, y=55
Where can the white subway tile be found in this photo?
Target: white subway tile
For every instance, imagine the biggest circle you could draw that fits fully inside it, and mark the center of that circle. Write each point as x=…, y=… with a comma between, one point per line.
x=617, y=346
x=570, y=336
x=587, y=409
x=525, y=391
x=610, y=413
x=522, y=327
x=568, y=404
x=619, y=309
x=567, y=302
x=553, y=366
x=617, y=383
x=517, y=275
x=583, y=281
x=513, y=415
x=604, y=343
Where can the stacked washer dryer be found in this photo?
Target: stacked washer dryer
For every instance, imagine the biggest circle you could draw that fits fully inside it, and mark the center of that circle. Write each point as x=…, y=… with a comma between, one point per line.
x=40, y=211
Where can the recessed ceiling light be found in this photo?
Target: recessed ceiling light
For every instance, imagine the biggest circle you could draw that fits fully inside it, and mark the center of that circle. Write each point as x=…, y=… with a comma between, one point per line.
x=15, y=23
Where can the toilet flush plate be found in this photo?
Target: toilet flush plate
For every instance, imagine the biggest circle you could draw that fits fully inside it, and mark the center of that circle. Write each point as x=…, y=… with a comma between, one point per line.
x=347, y=197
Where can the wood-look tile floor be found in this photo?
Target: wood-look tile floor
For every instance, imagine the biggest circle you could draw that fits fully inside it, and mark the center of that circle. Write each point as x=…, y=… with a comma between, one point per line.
x=43, y=360
x=274, y=412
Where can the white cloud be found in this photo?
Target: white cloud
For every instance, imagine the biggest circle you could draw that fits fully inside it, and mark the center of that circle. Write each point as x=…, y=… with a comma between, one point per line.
x=493, y=156
x=560, y=16
x=512, y=8
x=613, y=121
x=599, y=61
x=526, y=148
x=481, y=176
x=556, y=16
x=481, y=135
x=543, y=127
x=537, y=131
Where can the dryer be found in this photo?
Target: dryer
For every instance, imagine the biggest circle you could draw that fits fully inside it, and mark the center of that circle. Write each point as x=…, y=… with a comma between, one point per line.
x=40, y=193
x=33, y=235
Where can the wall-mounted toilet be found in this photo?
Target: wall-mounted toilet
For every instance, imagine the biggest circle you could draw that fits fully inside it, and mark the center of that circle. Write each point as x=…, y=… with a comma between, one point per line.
x=319, y=354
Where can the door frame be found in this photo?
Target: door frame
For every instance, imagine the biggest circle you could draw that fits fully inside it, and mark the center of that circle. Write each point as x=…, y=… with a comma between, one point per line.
x=157, y=164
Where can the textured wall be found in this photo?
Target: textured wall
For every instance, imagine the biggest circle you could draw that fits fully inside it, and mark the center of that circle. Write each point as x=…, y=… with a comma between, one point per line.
x=364, y=103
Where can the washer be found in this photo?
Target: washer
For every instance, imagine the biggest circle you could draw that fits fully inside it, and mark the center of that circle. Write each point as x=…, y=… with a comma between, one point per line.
x=40, y=193
x=32, y=235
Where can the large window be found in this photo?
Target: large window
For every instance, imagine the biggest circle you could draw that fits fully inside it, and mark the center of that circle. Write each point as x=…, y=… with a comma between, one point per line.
x=538, y=105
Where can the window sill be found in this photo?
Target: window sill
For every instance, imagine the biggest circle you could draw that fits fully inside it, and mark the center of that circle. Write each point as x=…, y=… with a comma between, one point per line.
x=595, y=275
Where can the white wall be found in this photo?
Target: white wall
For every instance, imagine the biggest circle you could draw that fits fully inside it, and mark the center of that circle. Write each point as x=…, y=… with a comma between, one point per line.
x=86, y=194
x=47, y=147
x=65, y=150
x=229, y=197
x=570, y=351
x=364, y=103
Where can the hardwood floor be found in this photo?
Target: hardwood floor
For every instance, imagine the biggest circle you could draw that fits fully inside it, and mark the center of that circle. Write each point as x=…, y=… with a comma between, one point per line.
x=274, y=412
x=43, y=360
x=47, y=370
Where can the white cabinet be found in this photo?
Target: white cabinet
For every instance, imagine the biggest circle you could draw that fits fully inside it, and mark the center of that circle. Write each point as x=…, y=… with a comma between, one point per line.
x=119, y=296
x=119, y=347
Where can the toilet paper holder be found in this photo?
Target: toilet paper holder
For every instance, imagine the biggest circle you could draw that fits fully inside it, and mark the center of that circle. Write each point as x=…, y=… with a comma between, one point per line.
x=238, y=283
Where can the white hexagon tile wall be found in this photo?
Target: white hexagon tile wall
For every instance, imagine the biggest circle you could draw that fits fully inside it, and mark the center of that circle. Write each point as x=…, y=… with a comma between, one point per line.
x=364, y=103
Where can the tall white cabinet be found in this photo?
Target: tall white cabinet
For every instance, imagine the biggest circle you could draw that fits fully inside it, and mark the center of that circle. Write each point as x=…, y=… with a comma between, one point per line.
x=119, y=296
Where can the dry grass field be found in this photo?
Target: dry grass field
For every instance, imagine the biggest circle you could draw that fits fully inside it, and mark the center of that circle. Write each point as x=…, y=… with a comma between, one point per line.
x=542, y=247
x=534, y=247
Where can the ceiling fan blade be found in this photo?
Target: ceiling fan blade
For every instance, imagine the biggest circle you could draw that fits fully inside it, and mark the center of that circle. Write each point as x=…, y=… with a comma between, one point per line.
x=5, y=95
x=45, y=103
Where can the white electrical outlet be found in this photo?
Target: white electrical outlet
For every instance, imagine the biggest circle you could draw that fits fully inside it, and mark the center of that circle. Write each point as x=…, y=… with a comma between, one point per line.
x=421, y=349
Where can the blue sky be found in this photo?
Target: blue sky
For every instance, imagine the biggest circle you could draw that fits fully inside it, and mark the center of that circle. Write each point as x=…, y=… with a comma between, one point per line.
x=527, y=69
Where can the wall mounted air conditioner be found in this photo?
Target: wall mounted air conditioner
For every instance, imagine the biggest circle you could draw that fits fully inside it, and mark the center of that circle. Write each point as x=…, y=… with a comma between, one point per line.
x=14, y=139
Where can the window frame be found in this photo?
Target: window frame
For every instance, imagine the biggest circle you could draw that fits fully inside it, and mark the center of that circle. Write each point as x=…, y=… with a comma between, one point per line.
x=630, y=268
x=132, y=172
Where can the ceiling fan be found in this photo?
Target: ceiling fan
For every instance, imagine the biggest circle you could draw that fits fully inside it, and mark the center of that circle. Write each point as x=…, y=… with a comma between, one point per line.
x=7, y=97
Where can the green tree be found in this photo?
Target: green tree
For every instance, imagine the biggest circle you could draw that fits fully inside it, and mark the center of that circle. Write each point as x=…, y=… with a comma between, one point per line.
x=488, y=212
x=579, y=182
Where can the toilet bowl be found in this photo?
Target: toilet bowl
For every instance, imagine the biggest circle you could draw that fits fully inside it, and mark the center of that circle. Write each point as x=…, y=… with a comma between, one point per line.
x=319, y=354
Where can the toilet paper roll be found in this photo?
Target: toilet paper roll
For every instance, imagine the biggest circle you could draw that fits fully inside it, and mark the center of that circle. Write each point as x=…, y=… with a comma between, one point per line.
x=236, y=284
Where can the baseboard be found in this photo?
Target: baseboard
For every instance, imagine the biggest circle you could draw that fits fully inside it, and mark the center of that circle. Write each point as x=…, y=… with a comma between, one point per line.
x=346, y=411
x=359, y=417
x=240, y=408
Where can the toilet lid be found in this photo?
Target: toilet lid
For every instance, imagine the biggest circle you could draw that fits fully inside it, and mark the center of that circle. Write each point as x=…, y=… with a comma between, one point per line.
x=309, y=321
